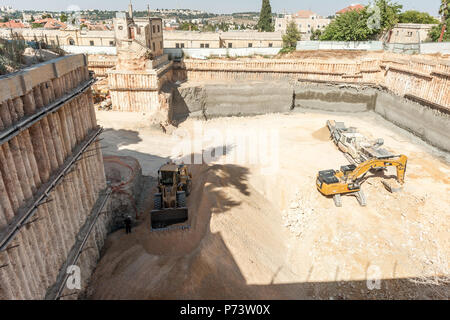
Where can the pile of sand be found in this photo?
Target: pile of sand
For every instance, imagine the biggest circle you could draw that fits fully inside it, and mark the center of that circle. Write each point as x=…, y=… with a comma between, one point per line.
x=240, y=245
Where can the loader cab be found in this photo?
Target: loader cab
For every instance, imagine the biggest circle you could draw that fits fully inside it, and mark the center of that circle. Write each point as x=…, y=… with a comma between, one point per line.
x=168, y=174
x=167, y=178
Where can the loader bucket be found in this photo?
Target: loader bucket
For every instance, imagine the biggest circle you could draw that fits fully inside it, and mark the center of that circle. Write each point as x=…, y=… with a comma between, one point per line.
x=161, y=219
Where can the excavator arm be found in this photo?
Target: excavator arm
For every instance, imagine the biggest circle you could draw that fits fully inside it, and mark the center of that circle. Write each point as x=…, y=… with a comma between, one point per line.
x=399, y=162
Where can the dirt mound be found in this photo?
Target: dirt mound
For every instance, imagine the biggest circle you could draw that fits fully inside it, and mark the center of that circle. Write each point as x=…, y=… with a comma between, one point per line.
x=322, y=134
x=197, y=263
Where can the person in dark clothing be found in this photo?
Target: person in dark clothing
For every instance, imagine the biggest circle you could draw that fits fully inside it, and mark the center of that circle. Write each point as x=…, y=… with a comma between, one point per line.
x=128, y=224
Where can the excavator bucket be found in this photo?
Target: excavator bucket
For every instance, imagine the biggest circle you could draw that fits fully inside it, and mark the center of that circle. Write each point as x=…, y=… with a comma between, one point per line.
x=161, y=219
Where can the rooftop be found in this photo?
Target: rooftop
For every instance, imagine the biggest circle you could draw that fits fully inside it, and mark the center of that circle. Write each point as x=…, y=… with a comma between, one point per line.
x=305, y=14
x=351, y=8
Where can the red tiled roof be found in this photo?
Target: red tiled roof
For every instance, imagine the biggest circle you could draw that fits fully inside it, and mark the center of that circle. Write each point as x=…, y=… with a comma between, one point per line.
x=51, y=23
x=351, y=8
x=12, y=24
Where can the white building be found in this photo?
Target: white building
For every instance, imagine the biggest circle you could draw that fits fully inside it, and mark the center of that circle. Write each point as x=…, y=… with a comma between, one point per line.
x=306, y=21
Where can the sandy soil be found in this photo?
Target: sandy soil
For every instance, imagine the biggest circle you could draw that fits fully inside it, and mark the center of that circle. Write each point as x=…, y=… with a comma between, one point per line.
x=262, y=231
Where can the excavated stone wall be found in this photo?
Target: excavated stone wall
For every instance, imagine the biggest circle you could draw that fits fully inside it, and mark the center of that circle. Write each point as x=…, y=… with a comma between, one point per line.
x=411, y=92
x=51, y=178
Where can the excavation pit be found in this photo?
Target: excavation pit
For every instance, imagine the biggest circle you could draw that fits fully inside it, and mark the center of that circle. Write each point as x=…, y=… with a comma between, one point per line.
x=259, y=227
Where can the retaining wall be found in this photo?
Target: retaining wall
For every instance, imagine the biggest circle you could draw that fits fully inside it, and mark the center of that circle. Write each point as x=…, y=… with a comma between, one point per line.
x=340, y=45
x=395, y=86
x=435, y=47
x=226, y=99
x=51, y=177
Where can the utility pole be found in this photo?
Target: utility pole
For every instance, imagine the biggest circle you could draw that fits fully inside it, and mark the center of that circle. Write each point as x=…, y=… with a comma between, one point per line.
x=444, y=19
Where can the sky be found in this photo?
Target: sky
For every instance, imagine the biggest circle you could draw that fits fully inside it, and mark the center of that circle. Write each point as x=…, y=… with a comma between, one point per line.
x=322, y=7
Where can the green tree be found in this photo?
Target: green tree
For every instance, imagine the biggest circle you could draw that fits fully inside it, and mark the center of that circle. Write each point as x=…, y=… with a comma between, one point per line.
x=349, y=26
x=265, y=18
x=36, y=25
x=291, y=37
x=315, y=34
x=63, y=18
x=436, y=31
x=413, y=16
x=362, y=25
x=444, y=9
x=186, y=26
x=389, y=13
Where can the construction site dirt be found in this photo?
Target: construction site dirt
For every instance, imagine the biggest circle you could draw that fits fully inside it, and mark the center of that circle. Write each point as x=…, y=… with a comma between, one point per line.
x=259, y=227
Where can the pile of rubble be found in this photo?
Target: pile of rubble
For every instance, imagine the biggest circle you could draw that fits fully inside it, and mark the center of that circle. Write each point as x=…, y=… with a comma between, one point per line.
x=298, y=214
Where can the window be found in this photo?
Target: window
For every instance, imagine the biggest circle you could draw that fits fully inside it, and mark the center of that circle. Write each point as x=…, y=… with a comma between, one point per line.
x=182, y=45
x=159, y=28
x=202, y=45
x=154, y=29
x=270, y=45
x=177, y=45
x=111, y=43
x=162, y=46
x=91, y=43
x=207, y=45
x=154, y=47
x=250, y=45
x=230, y=45
x=410, y=34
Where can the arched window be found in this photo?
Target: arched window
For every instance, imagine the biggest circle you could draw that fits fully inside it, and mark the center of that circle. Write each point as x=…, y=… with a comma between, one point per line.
x=71, y=42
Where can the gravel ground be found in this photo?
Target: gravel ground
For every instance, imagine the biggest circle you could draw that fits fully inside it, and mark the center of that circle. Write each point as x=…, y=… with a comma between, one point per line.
x=262, y=230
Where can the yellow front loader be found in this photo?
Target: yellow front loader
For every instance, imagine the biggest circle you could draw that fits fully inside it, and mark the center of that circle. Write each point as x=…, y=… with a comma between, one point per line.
x=348, y=180
x=174, y=185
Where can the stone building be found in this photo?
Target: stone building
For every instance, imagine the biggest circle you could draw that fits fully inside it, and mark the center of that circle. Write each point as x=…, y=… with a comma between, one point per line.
x=142, y=68
x=306, y=21
x=191, y=39
x=410, y=33
x=215, y=40
x=251, y=39
x=148, y=32
x=66, y=37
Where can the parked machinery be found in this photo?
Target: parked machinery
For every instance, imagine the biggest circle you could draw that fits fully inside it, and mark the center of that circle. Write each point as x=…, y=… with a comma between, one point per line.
x=356, y=148
x=348, y=180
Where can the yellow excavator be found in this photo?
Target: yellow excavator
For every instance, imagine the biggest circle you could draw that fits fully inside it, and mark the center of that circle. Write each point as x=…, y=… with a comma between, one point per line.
x=348, y=180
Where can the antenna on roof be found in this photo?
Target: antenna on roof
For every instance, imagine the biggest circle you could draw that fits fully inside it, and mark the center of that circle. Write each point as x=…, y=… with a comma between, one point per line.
x=148, y=10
